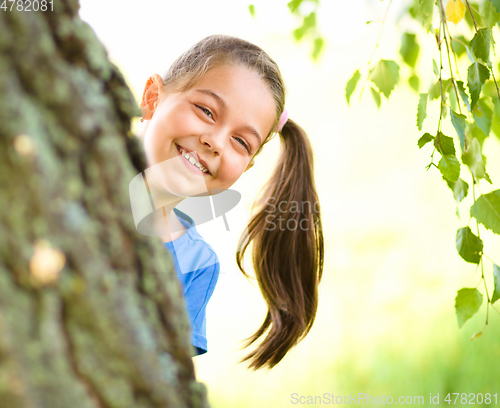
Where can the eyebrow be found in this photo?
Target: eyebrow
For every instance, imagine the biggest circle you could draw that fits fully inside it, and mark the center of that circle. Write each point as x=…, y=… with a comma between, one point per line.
x=248, y=128
x=212, y=93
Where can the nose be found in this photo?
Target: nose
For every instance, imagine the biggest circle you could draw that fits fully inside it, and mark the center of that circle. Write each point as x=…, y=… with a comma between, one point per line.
x=214, y=141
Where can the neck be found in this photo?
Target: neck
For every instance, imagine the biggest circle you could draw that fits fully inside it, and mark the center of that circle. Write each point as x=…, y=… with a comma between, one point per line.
x=167, y=202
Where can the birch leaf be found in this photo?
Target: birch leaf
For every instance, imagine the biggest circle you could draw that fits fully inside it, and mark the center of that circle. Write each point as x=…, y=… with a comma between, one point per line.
x=455, y=11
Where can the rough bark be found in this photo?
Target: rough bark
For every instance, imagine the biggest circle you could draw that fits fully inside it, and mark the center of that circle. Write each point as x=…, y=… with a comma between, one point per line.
x=109, y=329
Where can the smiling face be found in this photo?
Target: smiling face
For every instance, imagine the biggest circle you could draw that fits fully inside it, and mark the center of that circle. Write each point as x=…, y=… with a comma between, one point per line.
x=223, y=120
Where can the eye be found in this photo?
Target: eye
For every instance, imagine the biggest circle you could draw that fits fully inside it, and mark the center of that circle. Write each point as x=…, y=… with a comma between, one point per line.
x=206, y=111
x=245, y=145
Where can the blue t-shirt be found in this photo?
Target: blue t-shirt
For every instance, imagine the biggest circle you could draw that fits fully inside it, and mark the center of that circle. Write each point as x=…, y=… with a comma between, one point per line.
x=197, y=267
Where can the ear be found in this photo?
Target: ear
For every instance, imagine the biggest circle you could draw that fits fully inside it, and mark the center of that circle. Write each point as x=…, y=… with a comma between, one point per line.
x=252, y=162
x=150, y=96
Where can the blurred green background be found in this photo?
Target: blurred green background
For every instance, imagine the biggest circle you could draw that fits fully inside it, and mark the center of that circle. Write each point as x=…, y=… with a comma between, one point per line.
x=386, y=323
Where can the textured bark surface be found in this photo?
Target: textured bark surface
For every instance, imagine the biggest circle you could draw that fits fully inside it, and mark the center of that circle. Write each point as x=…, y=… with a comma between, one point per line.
x=109, y=329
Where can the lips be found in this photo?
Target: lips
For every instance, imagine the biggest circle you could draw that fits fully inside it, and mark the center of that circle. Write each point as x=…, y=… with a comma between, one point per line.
x=196, y=156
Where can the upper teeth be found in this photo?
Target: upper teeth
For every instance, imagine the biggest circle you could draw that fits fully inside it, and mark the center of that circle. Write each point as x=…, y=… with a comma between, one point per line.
x=192, y=160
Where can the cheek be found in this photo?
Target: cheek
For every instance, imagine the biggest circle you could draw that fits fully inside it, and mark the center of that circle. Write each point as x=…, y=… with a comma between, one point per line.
x=231, y=170
x=149, y=145
x=165, y=130
x=181, y=123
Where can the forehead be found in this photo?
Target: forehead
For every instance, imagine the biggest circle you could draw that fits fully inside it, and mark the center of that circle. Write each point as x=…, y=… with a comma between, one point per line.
x=243, y=94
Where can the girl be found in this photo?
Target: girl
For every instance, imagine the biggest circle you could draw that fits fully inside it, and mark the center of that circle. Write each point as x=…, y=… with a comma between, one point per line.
x=205, y=122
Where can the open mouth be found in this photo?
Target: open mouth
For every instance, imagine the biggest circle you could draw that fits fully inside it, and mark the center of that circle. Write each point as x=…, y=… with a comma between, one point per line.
x=192, y=159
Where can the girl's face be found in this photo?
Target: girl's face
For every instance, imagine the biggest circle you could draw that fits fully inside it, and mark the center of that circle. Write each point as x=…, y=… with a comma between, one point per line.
x=223, y=120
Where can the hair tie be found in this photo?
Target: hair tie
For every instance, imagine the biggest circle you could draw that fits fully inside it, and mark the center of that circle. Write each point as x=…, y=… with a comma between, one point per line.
x=283, y=119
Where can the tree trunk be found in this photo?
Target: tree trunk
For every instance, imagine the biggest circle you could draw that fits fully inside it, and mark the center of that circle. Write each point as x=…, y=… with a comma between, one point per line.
x=91, y=312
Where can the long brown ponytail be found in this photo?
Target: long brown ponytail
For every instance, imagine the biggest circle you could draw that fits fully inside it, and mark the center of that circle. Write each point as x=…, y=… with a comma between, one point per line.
x=287, y=250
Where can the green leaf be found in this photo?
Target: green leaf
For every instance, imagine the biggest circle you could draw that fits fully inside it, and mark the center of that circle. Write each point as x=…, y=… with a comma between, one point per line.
x=426, y=138
x=486, y=210
x=376, y=96
x=251, y=9
x=435, y=68
x=385, y=76
x=414, y=82
x=449, y=166
x=318, y=46
x=476, y=335
x=294, y=5
x=496, y=106
x=421, y=110
x=483, y=114
x=467, y=304
x=470, y=54
x=477, y=75
x=413, y=10
x=351, y=85
x=460, y=189
x=444, y=144
x=452, y=97
x=459, y=121
x=481, y=44
x=496, y=280
x=469, y=246
x=435, y=91
x=490, y=14
x=457, y=45
x=308, y=23
x=409, y=49
x=425, y=11
x=473, y=8
x=495, y=124
x=463, y=94
x=298, y=33
x=490, y=89
x=474, y=159
x=473, y=131
x=496, y=3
